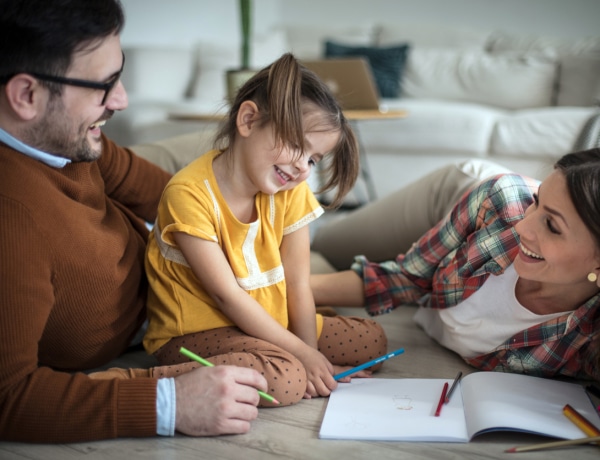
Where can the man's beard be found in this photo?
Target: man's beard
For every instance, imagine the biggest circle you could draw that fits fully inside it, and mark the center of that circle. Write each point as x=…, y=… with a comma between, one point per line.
x=52, y=135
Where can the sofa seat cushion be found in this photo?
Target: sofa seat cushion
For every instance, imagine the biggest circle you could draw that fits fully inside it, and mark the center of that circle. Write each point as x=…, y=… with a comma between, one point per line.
x=432, y=126
x=539, y=132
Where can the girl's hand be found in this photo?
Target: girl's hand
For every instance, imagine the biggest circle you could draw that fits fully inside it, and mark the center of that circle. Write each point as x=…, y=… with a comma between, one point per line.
x=319, y=373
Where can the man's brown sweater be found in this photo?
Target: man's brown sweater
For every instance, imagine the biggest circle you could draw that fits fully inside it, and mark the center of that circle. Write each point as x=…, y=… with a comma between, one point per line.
x=72, y=294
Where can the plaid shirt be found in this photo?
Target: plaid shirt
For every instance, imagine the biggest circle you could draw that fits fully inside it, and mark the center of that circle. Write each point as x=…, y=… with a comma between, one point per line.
x=453, y=259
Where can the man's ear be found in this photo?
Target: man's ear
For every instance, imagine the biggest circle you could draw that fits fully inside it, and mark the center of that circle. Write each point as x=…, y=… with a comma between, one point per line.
x=26, y=96
x=246, y=117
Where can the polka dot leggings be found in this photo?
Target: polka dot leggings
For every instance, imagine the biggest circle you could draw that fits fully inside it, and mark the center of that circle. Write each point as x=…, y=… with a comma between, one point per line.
x=344, y=341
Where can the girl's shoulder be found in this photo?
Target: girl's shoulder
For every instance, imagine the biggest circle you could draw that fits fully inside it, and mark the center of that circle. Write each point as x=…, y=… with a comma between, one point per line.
x=197, y=170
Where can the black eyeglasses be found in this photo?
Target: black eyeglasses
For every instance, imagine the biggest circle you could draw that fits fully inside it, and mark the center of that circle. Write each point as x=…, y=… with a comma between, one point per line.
x=106, y=87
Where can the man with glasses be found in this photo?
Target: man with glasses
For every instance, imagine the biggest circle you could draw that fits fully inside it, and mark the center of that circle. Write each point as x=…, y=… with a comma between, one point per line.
x=73, y=208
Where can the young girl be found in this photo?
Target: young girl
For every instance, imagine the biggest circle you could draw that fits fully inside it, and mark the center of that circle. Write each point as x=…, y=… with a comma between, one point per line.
x=229, y=259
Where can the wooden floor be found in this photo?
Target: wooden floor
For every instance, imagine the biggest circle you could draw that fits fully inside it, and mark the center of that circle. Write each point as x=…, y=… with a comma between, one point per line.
x=292, y=432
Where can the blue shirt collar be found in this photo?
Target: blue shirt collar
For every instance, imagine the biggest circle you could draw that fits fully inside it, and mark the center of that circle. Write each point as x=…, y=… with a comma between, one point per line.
x=50, y=160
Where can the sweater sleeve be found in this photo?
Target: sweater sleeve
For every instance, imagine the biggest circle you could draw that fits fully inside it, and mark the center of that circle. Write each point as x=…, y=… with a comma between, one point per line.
x=40, y=404
x=132, y=181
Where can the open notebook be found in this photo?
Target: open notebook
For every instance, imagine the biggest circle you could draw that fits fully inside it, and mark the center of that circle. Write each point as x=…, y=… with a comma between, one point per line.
x=350, y=80
x=403, y=409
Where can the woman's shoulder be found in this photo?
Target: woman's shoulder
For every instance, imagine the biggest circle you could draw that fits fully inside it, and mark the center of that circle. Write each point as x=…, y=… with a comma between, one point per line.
x=510, y=184
x=507, y=195
x=511, y=179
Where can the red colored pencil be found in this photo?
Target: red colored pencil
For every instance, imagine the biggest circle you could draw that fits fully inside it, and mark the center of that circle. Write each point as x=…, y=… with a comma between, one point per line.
x=442, y=400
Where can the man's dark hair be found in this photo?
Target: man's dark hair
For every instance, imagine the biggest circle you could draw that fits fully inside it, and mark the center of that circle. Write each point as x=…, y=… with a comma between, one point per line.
x=42, y=35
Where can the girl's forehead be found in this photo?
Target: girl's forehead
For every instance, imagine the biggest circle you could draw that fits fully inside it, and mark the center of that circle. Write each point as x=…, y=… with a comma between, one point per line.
x=317, y=120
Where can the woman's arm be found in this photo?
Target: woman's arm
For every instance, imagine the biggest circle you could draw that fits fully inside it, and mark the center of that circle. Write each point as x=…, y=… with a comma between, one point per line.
x=340, y=289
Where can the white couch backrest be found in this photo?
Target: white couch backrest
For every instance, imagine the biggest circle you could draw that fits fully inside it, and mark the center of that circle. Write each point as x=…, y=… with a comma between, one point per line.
x=507, y=80
x=431, y=36
x=578, y=81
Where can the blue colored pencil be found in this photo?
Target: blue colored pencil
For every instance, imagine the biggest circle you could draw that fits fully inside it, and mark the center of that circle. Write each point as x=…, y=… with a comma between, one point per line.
x=341, y=375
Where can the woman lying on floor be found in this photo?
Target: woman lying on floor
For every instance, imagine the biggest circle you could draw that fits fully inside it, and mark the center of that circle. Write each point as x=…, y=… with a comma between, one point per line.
x=508, y=278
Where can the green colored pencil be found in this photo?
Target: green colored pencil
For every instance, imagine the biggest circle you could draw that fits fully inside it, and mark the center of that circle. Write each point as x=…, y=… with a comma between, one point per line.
x=195, y=357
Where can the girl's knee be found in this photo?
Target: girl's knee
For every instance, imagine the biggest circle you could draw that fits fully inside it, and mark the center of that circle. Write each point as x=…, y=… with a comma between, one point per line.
x=350, y=341
x=286, y=379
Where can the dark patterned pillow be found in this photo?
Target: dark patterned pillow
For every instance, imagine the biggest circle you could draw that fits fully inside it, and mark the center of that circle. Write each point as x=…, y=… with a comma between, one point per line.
x=386, y=63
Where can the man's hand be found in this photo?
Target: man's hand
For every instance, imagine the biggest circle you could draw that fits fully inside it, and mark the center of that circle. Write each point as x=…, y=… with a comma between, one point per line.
x=217, y=400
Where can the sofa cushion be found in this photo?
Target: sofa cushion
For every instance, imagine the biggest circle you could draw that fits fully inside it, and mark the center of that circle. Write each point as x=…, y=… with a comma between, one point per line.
x=387, y=63
x=579, y=75
x=579, y=83
x=539, y=132
x=157, y=73
x=501, y=41
x=506, y=80
x=432, y=127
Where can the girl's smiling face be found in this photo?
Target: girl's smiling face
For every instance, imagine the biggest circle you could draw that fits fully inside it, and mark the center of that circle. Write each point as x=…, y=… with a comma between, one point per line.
x=556, y=246
x=272, y=168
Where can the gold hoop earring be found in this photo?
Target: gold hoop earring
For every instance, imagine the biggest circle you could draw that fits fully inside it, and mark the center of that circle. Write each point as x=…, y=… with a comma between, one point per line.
x=592, y=277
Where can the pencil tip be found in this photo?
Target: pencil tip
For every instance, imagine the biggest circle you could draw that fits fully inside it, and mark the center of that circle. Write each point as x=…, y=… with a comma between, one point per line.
x=512, y=450
x=276, y=402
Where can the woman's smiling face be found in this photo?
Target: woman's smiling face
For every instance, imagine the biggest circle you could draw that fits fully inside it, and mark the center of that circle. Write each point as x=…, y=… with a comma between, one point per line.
x=556, y=246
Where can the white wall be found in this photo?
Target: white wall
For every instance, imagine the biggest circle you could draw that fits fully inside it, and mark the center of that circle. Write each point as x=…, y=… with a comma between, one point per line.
x=184, y=22
x=561, y=18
